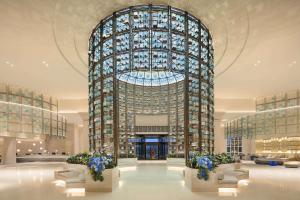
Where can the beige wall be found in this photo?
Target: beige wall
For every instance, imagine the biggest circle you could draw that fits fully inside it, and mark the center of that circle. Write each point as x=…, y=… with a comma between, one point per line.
x=73, y=105
x=151, y=120
x=228, y=105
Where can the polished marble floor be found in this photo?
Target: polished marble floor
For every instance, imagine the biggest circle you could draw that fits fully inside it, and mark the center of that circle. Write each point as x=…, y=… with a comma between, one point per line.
x=143, y=181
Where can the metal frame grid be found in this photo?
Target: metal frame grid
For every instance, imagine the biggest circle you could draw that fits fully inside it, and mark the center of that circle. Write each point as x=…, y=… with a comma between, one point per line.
x=150, y=46
x=25, y=114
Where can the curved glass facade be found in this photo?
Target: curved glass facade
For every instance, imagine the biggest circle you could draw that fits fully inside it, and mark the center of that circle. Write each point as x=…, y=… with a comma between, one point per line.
x=150, y=46
x=25, y=114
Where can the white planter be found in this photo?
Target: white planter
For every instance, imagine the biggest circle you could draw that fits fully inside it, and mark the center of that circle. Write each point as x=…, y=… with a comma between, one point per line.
x=200, y=185
x=110, y=182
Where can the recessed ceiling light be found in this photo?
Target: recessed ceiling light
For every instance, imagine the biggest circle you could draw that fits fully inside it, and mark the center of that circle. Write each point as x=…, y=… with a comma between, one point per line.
x=7, y=62
x=11, y=65
x=294, y=62
x=255, y=64
x=44, y=62
x=258, y=61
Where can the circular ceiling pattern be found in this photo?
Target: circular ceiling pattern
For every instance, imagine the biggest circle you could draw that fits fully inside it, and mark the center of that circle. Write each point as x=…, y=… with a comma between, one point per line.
x=74, y=21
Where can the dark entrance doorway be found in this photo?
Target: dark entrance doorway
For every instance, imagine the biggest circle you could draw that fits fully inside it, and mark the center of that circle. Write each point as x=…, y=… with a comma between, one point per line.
x=152, y=147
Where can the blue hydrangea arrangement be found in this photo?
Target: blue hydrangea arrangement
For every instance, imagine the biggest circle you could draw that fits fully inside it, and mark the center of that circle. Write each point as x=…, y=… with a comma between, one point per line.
x=96, y=166
x=205, y=165
x=205, y=162
x=96, y=162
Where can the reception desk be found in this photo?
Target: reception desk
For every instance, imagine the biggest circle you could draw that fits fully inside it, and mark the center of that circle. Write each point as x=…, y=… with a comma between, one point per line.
x=42, y=158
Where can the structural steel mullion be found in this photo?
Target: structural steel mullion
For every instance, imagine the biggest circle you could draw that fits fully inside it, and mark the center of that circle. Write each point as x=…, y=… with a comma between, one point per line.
x=209, y=104
x=200, y=93
x=115, y=94
x=130, y=40
x=186, y=93
x=101, y=92
x=126, y=120
x=150, y=39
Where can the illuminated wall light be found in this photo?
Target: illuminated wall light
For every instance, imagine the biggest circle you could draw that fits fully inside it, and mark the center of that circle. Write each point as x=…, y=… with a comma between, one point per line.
x=243, y=182
x=18, y=150
x=59, y=183
x=75, y=192
x=33, y=144
x=19, y=142
x=28, y=106
x=126, y=169
x=227, y=192
x=175, y=168
x=29, y=150
x=41, y=148
x=41, y=142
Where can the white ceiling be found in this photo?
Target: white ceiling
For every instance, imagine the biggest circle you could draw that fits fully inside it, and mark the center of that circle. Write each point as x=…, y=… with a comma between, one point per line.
x=257, y=49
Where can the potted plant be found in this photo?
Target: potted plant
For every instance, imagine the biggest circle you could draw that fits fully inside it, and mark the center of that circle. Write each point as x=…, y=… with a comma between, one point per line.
x=101, y=173
x=202, y=171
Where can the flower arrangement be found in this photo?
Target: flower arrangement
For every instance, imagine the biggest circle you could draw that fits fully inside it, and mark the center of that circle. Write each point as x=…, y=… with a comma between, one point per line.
x=207, y=162
x=96, y=167
x=96, y=162
x=205, y=165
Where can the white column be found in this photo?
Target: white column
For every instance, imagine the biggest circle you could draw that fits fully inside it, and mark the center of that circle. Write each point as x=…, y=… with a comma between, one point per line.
x=220, y=141
x=76, y=139
x=84, y=133
x=248, y=146
x=9, y=150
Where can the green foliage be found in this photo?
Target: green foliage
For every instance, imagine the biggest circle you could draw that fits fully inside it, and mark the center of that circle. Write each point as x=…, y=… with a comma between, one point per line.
x=203, y=173
x=217, y=159
x=105, y=161
x=81, y=158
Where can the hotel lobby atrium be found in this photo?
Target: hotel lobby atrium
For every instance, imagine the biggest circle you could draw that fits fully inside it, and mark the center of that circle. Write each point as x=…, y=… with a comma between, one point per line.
x=149, y=99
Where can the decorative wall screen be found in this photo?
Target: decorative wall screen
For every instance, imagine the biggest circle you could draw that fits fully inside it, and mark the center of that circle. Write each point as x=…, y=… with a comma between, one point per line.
x=136, y=52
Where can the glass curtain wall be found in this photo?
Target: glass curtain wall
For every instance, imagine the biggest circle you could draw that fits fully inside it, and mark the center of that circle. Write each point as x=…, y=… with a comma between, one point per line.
x=24, y=114
x=150, y=46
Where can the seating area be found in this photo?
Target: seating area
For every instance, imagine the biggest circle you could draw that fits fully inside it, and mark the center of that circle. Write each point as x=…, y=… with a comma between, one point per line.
x=292, y=164
x=230, y=174
x=77, y=176
x=224, y=176
x=41, y=158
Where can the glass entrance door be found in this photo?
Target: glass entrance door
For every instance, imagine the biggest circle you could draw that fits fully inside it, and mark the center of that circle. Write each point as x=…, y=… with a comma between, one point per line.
x=152, y=148
x=151, y=151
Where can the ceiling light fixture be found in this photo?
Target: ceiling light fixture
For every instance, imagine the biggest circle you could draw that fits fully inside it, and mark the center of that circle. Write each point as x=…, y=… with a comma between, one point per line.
x=9, y=63
x=45, y=63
